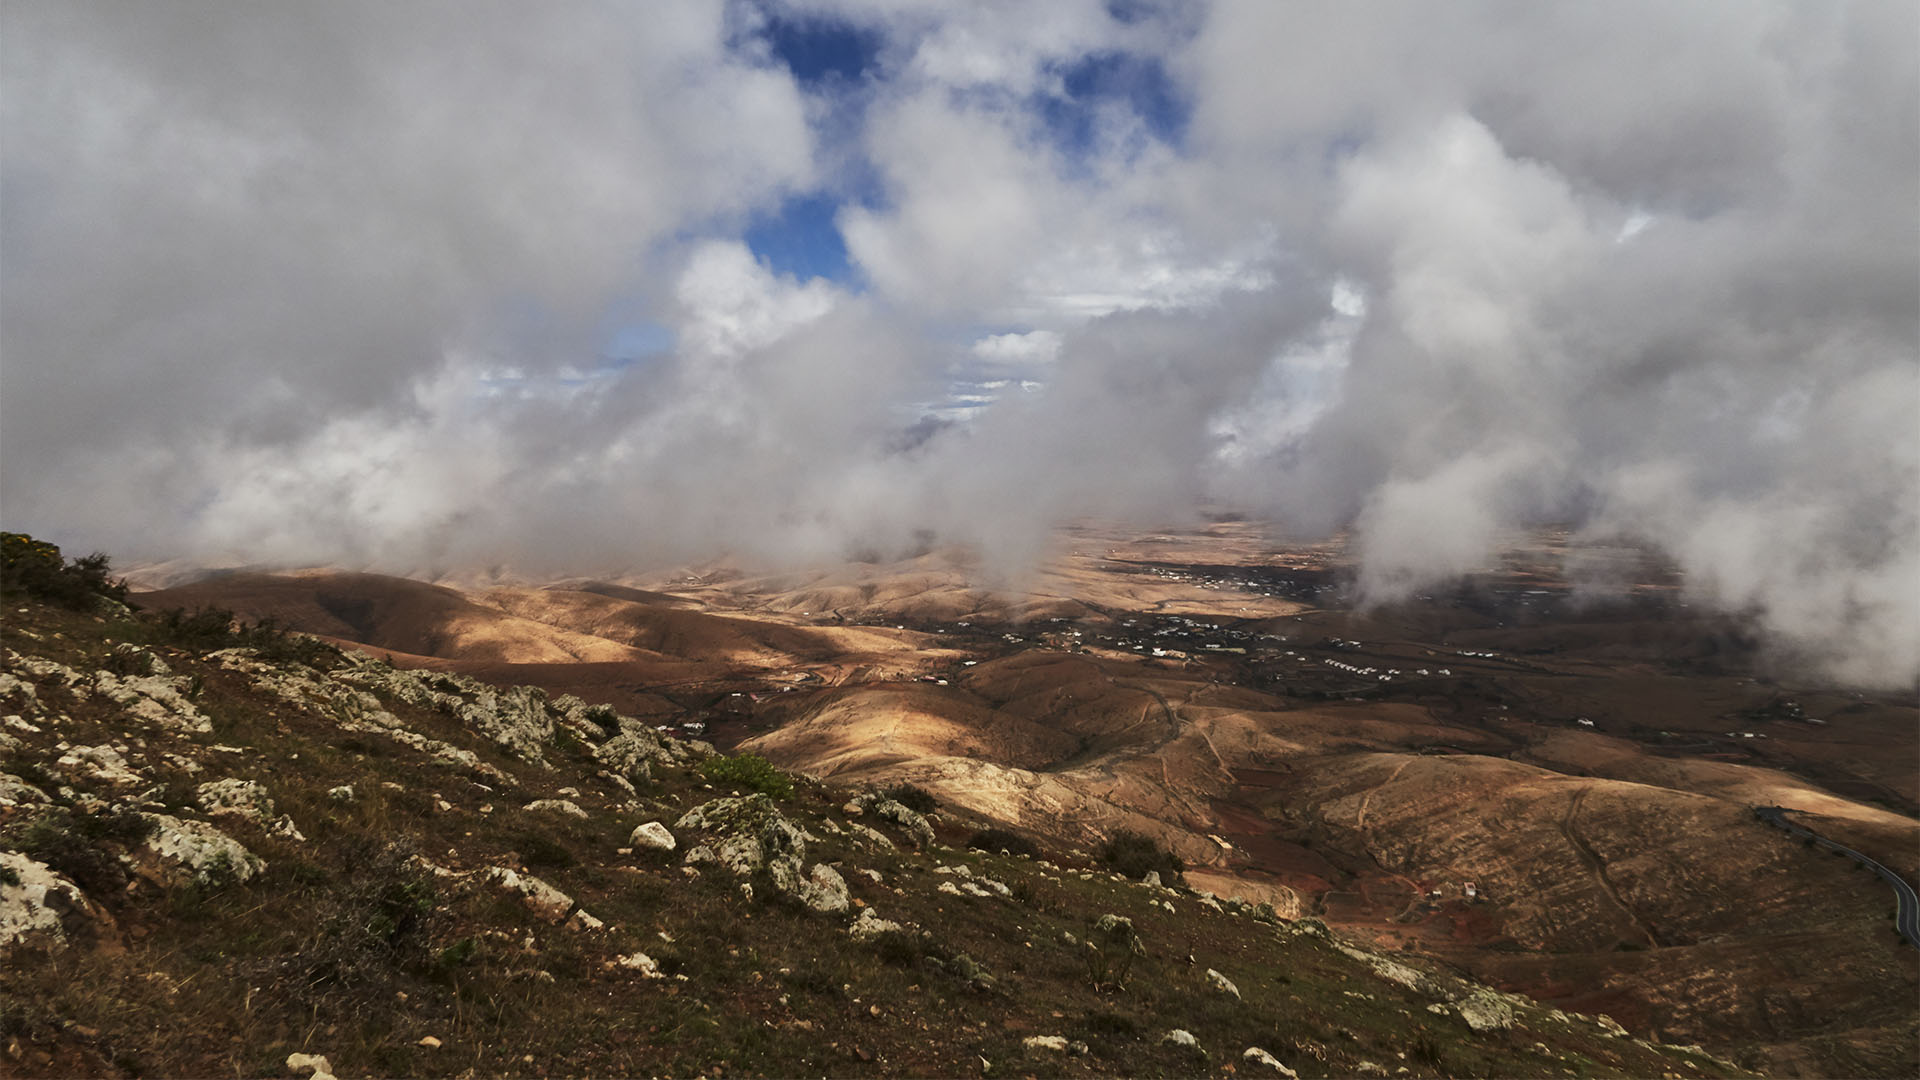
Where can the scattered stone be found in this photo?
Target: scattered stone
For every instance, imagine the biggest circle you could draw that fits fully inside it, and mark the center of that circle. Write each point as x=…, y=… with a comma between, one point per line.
x=1223, y=984
x=343, y=793
x=546, y=902
x=557, y=806
x=1369, y=1068
x=316, y=1065
x=639, y=962
x=652, y=836
x=872, y=836
x=1151, y=878
x=1260, y=1057
x=1183, y=1039
x=870, y=925
x=1055, y=1043
x=429, y=1042
x=156, y=699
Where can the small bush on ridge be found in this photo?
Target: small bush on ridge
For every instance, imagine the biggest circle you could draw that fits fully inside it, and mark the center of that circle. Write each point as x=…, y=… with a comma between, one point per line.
x=35, y=568
x=1133, y=855
x=749, y=771
x=1001, y=840
x=913, y=798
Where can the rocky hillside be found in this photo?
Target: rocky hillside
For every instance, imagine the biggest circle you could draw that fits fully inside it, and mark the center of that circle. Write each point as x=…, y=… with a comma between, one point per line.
x=253, y=855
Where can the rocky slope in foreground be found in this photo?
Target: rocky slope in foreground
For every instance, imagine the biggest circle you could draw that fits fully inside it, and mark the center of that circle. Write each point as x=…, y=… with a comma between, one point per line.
x=229, y=861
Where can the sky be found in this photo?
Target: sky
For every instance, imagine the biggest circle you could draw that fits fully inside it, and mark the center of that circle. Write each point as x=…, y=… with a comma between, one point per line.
x=583, y=287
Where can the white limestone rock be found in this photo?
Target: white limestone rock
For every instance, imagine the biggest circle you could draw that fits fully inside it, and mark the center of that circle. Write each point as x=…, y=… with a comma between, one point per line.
x=157, y=699
x=638, y=962
x=180, y=850
x=15, y=791
x=245, y=799
x=1256, y=1056
x=1223, y=984
x=557, y=806
x=652, y=836
x=870, y=925
x=546, y=902
x=102, y=764
x=39, y=907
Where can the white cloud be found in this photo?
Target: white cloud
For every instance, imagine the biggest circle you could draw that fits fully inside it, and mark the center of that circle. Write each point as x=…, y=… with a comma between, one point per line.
x=331, y=282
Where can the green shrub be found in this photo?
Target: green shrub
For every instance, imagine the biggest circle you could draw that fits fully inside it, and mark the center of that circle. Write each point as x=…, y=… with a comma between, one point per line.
x=35, y=568
x=210, y=629
x=912, y=798
x=1133, y=855
x=80, y=845
x=749, y=771
x=1002, y=840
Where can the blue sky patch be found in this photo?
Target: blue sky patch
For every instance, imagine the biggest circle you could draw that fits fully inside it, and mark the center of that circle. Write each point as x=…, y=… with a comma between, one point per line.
x=801, y=240
x=819, y=49
x=1139, y=82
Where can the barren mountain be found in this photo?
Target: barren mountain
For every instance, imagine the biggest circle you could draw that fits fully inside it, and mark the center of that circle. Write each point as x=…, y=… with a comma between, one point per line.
x=1550, y=789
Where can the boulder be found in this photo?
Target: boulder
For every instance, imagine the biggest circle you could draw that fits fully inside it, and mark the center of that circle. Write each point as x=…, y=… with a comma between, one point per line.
x=822, y=890
x=638, y=962
x=1256, y=1056
x=102, y=764
x=1484, y=1010
x=745, y=833
x=557, y=806
x=1223, y=984
x=156, y=699
x=546, y=902
x=15, y=791
x=652, y=836
x=244, y=799
x=1183, y=1039
x=888, y=809
x=314, y=1066
x=870, y=925
x=38, y=907
x=179, y=851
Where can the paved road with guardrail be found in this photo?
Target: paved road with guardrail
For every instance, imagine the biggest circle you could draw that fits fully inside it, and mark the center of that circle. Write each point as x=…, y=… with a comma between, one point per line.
x=1907, y=918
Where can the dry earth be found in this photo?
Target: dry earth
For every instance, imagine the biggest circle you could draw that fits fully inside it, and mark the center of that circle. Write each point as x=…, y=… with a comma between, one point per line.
x=1548, y=784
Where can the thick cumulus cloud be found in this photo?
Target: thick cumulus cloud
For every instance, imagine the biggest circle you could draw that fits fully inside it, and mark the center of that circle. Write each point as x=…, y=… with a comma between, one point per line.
x=346, y=283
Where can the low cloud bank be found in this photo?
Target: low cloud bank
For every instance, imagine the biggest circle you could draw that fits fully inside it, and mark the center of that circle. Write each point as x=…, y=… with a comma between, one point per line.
x=359, y=283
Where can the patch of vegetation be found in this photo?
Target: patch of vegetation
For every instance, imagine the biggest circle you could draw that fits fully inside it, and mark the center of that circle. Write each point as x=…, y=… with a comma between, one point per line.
x=540, y=850
x=80, y=844
x=750, y=771
x=913, y=798
x=210, y=629
x=35, y=568
x=1133, y=855
x=1002, y=840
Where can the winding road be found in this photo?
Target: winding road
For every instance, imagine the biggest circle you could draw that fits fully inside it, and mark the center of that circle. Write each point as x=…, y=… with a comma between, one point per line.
x=1908, y=917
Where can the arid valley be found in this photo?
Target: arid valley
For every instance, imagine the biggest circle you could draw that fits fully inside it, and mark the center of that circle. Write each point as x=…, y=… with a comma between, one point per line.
x=1544, y=783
